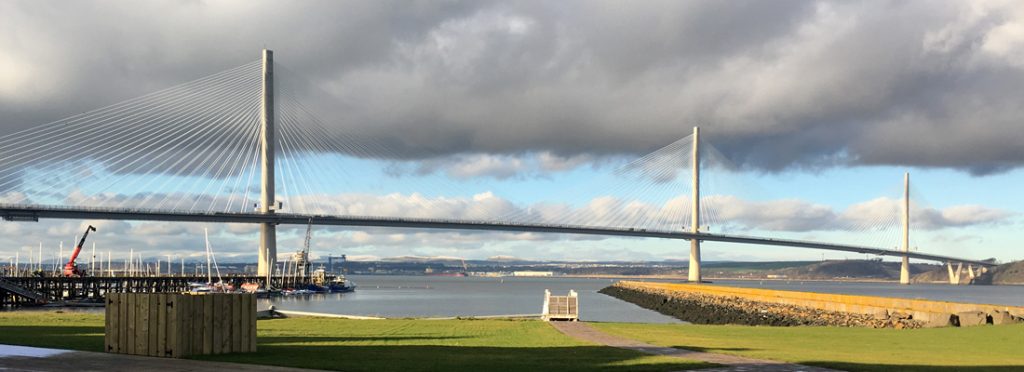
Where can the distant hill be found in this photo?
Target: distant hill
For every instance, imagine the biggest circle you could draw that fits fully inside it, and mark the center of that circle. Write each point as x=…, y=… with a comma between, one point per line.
x=850, y=269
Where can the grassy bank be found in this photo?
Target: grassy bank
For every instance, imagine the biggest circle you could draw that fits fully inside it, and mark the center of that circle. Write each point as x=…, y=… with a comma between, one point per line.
x=373, y=345
x=854, y=349
x=486, y=345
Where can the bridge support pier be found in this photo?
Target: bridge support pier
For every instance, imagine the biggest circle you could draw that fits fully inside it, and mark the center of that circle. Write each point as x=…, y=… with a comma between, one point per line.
x=954, y=277
x=268, y=231
x=693, y=272
x=905, y=268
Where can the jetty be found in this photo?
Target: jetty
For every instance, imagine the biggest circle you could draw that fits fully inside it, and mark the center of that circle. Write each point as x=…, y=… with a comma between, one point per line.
x=60, y=290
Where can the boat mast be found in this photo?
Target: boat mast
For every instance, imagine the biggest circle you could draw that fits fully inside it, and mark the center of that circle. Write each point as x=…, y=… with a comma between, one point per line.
x=209, y=279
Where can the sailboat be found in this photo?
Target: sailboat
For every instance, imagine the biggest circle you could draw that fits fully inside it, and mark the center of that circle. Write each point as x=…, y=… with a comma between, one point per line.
x=210, y=286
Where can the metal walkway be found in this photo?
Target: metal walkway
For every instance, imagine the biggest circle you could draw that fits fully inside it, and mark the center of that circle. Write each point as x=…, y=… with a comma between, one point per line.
x=18, y=290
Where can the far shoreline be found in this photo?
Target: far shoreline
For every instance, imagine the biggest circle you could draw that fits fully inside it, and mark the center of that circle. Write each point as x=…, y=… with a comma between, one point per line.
x=712, y=279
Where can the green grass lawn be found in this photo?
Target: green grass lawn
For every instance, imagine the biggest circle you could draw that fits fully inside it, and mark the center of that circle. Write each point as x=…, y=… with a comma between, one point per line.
x=373, y=345
x=855, y=349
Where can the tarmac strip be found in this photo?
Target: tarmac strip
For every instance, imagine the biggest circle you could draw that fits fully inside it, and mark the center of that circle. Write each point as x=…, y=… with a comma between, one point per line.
x=26, y=359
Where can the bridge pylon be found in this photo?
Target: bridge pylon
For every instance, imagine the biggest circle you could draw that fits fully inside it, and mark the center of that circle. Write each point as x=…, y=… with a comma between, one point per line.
x=268, y=231
x=693, y=272
x=905, y=267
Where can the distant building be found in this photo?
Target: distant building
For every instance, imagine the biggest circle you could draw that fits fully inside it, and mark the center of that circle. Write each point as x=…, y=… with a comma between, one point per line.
x=533, y=273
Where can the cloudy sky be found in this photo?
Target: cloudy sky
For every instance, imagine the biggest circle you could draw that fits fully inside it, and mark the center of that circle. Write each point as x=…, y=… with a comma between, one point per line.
x=497, y=106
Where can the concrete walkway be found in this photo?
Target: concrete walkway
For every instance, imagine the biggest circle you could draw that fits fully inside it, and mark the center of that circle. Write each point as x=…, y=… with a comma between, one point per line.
x=25, y=359
x=733, y=363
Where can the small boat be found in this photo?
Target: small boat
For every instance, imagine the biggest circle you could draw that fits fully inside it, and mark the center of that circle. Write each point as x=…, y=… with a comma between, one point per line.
x=322, y=282
x=250, y=287
x=219, y=287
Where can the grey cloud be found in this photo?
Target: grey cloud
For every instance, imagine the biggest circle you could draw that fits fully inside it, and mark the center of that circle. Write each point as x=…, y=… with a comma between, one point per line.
x=471, y=165
x=776, y=85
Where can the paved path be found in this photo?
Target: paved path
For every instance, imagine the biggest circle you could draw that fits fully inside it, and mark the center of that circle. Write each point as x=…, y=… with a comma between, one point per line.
x=733, y=363
x=25, y=359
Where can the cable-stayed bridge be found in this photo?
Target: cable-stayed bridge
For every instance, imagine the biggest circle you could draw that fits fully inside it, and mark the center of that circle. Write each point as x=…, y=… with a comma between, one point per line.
x=241, y=146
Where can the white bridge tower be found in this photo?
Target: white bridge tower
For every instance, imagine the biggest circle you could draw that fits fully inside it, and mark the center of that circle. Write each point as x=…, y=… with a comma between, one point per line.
x=268, y=230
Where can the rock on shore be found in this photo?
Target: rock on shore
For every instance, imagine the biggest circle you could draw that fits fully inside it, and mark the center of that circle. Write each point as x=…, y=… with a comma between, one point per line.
x=707, y=309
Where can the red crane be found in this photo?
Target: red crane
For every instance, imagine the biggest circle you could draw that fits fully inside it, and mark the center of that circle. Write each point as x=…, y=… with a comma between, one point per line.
x=71, y=269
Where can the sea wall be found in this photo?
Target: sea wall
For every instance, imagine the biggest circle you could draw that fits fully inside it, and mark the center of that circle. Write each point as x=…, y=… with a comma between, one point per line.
x=705, y=304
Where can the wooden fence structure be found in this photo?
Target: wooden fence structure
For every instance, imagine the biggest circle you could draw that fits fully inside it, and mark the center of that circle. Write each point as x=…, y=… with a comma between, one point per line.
x=178, y=325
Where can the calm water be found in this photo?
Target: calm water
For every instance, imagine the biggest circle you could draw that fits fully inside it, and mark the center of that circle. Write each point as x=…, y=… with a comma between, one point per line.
x=432, y=296
x=437, y=296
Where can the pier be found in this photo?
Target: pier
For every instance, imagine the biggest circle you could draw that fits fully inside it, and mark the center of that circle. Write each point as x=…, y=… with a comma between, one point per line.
x=30, y=291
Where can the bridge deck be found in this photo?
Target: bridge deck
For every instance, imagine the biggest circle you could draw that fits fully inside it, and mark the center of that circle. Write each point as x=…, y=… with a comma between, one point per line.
x=34, y=213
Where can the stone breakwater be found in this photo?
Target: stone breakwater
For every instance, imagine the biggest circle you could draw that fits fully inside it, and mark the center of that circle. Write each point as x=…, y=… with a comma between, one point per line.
x=708, y=309
x=703, y=304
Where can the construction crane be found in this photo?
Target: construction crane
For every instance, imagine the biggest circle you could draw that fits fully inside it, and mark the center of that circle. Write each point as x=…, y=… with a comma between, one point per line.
x=331, y=259
x=71, y=269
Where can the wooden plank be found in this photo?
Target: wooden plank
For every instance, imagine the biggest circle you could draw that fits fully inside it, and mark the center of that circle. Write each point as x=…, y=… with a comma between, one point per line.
x=208, y=326
x=122, y=332
x=117, y=322
x=131, y=323
x=236, y=323
x=225, y=331
x=154, y=324
x=197, y=324
x=185, y=319
x=174, y=325
x=142, y=326
x=110, y=330
x=252, y=323
x=218, y=336
x=106, y=323
x=161, y=324
x=243, y=323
